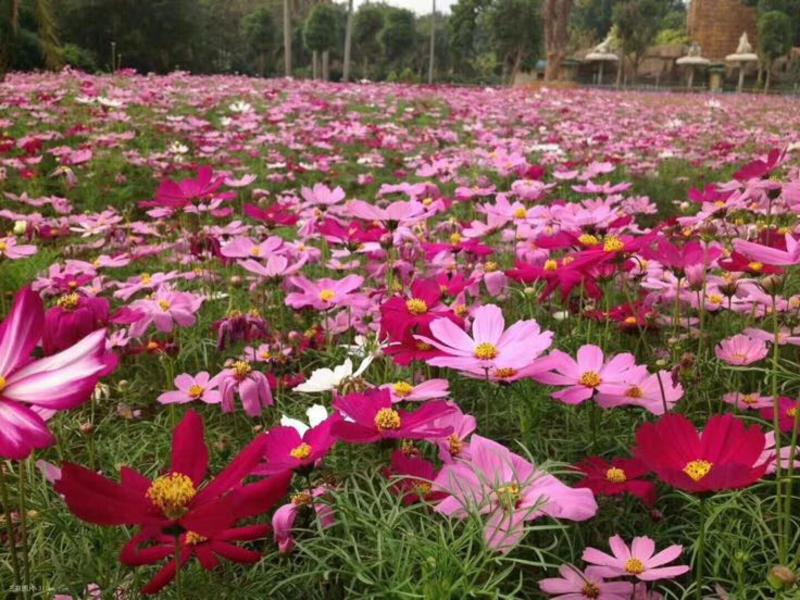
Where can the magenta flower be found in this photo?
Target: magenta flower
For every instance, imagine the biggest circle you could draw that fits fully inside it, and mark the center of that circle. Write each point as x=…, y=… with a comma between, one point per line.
x=72, y=318
x=371, y=417
x=294, y=445
x=741, y=350
x=640, y=560
x=769, y=255
x=590, y=373
x=284, y=518
x=575, y=584
x=324, y=293
x=491, y=346
x=31, y=390
x=510, y=490
x=252, y=387
x=13, y=251
x=191, y=388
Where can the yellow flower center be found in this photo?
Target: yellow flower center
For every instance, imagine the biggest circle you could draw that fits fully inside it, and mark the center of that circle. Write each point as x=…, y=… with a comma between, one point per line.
x=755, y=266
x=455, y=445
x=697, y=469
x=69, y=301
x=520, y=213
x=634, y=566
x=792, y=412
x=631, y=321
x=749, y=399
x=145, y=279
x=152, y=345
x=327, y=295
x=455, y=239
x=255, y=251
x=192, y=538
x=588, y=239
x=590, y=590
x=422, y=489
x=616, y=475
x=265, y=355
x=302, y=452
x=508, y=495
x=402, y=389
x=486, y=351
x=417, y=306
x=634, y=392
x=591, y=379
x=550, y=265
x=301, y=499
x=387, y=419
x=715, y=299
x=164, y=304
x=3, y=383
x=241, y=369
x=490, y=267
x=423, y=346
x=196, y=391
x=613, y=244
x=172, y=493
x=461, y=310
x=3, y=246
x=505, y=373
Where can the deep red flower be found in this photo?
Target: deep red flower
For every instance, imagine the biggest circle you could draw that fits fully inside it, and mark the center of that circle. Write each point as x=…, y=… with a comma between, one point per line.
x=286, y=450
x=787, y=413
x=761, y=168
x=725, y=456
x=413, y=477
x=559, y=275
x=400, y=314
x=738, y=263
x=371, y=417
x=620, y=476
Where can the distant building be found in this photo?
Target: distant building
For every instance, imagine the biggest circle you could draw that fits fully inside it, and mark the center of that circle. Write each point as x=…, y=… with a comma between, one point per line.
x=717, y=25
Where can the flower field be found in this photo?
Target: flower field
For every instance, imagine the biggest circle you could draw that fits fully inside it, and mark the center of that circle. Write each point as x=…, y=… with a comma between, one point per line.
x=292, y=339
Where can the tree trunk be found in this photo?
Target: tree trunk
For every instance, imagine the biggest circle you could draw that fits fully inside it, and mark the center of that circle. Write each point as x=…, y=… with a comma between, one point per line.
x=555, y=15
x=348, y=40
x=314, y=64
x=620, y=70
x=287, y=39
x=768, y=77
x=515, y=68
x=262, y=62
x=326, y=65
x=365, y=68
x=433, y=44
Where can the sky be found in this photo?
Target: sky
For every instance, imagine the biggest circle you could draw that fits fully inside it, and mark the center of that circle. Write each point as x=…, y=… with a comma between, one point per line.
x=421, y=7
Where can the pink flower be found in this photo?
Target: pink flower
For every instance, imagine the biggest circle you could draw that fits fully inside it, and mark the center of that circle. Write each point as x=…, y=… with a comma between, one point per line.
x=640, y=560
x=322, y=194
x=244, y=247
x=165, y=309
x=577, y=585
x=324, y=293
x=455, y=445
x=371, y=417
x=284, y=518
x=276, y=266
x=769, y=255
x=652, y=392
x=190, y=388
x=590, y=373
x=13, y=251
x=427, y=390
x=747, y=401
x=510, y=490
x=252, y=387
x=741, y=350
x=396, y=212
x=491, y=345
x=31, y=390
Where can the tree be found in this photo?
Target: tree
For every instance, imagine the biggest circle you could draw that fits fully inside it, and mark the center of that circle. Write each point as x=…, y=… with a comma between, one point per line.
x=594, y=17
x=260, y=33
x=515, y=32
x=468, y=34
x=367, y=26
x=555, y=14
x=319, y=33
x=348, y=42
x=398, y=35
x=775, y=36
x=46, y=38
x=287, y=39
x=637, y=23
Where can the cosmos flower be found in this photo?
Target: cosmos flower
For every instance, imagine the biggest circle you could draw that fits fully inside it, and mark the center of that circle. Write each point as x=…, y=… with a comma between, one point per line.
x=620, y=476
x=191, y=388
x=10, y=249
x=284, y=518
x=324, y=293
x=640, y=560
x=575, y=584
x=741, y=350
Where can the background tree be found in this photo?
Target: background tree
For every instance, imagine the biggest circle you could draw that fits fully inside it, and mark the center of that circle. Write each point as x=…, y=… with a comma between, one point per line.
x=594, y=17
x=637, y=23
x=367, y=25
x=260, y=33
x=319, y=33
x=28, y=25
x=555, y=14
x=515, y=32
x=397, y=36
x=468, y=34
x=775, y=35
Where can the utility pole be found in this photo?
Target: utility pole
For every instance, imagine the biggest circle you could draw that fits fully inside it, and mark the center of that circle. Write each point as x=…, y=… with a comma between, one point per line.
x=287, y=39
x=348, y=39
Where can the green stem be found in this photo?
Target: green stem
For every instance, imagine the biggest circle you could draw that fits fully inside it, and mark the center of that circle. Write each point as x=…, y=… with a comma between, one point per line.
x=23, y=516
x=178, y=553
x=11, y=541
x=701, y=550
x=776, y=425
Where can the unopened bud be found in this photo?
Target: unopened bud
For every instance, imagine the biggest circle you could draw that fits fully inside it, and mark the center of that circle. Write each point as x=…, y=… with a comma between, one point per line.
x=20, y=227
x=781, y=577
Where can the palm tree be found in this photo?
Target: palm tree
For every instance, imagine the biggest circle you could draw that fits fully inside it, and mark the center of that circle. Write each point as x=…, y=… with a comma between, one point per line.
x=9, y=28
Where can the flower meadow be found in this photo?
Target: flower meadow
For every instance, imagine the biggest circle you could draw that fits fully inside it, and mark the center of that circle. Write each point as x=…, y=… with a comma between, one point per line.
x=287, y=339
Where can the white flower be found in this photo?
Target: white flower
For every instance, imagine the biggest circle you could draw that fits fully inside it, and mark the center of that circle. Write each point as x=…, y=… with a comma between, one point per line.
x=325, y=380
x=20, y=227
x=240, y=106
x=316, y=414
x=177, y=148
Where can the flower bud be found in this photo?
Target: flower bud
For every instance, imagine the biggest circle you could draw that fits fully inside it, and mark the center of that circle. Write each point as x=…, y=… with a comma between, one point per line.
x=781, y=577
x=20, y=227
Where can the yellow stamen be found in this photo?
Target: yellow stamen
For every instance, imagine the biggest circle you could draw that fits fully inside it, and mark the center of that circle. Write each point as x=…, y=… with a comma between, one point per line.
x=3, y=383
x=402, y=389
x=508, y=495
x=697, y=469
x=455, y=239
x=550, y=265
x=241, y=369
x=486, y=351
x=591, y=379
x=755, y=266
x=255, y=251
x=417, y=306
x=3, y=246
x=520, y=213
x=196, y=391
x=164, y=304
x=505, y=373
x=145, y=279
x=455, y=445
x=423, y=346
x=588, y=240
x=630, y=321
x=192, y=538
x=301, y=499
x=613, y=244
x=635, y=392
x=302, y=452
x=69, y=302
x=634, y=566
x=490, y=267
x=387, y=419
x=172, y=493
x=590, y=590
x=327, y=295
x=615, y=475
